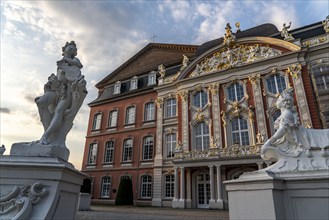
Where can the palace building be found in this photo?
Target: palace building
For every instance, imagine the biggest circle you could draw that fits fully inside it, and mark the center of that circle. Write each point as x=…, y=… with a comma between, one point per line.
x=178, y=120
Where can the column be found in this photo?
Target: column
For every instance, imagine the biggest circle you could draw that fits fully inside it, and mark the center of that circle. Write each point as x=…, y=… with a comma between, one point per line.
x=182, y=188
x=219, y=187
x=260, y=165
x=175, y=200
x=296, y=74
x=158, y=152
x=157, y=187
x=214, y=89
x=188, y=189
x=211, y=174
x=259, y=109
x=185, y=124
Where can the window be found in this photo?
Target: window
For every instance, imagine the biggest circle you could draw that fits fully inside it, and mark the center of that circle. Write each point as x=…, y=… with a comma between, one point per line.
x=240, y=133
x=97, y=121
x=200, y=99
x=151, y=78
x=171, y=145
x=146, y=186
x=109, y=152
x=149, y=114
x=133, y=83
x=235, y=92
x=117, y=88
x=92, y=154
x=169, y=186
x=170, y=107
x=113, y=118
x=276, y=84
x=127, y=150
x=321, y=74
x=148, y=148
x=106, y=187
x=202, y=136
x=130, y=115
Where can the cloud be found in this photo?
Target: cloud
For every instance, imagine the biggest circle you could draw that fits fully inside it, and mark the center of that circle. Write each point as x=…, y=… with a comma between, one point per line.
x=5, y=110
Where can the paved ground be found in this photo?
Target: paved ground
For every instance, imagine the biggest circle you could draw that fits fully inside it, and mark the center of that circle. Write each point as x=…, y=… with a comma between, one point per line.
x=149, y=213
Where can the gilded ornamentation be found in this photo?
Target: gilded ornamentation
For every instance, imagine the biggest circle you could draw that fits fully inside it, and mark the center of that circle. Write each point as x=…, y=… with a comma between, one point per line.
x=229, y=37
x=254, y=79
x=223, y=118
x=161, y=70
x=214, y=88
x=159, y=102
x=251, y=114
x=294, y=70
x=235, y=56
x=213, y=143
x=185, y=62
x=325, y=24
x=260, y=138
x=200, y=117
x=315, y=41
x=171, y=78
x=183, y=95
x=179, y=146
x=285, y=34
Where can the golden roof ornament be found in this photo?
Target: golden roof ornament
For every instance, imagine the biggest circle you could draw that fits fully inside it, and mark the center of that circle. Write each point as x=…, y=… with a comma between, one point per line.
x=229, y=36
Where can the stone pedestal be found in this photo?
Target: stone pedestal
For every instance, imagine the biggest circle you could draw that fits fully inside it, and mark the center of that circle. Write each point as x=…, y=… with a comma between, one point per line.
x=84, y=202
x=287, y=195
x=38, y=188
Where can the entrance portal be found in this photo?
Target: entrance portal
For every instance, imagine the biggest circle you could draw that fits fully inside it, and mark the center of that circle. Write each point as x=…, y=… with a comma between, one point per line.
x=203, y=190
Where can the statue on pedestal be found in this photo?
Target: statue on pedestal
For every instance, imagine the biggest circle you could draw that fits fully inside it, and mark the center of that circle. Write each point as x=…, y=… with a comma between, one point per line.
x=63, y=97
x=293, y=146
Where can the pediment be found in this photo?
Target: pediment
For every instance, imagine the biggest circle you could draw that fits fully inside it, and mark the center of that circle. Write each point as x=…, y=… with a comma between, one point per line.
x=244, y=52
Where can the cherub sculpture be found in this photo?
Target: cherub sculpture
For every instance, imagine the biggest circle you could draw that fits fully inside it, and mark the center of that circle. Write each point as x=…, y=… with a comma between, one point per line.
x=284, y=32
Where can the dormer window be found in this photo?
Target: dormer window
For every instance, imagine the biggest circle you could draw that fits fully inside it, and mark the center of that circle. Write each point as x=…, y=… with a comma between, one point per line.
x=152, y=78
x=117, y=88
x=133, y=83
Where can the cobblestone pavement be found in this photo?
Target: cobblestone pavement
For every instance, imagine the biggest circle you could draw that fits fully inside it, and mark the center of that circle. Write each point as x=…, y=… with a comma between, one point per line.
x=149, y=213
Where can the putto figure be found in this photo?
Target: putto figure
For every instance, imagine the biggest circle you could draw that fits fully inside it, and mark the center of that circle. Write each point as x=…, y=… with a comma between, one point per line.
x=284, y=32
x=63, y=97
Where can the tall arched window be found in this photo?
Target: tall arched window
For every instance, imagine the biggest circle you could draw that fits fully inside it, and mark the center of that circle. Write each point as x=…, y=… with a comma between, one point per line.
x=97, y=121
x=109, y=152
x=106, y=187
x=240, y=134
x=276, y=83
x=148, y=145
x=170, y=108
x=235, y=92
x=127, y=150
x=200, y=99
x=149, y=113
x=202, y=136
x=92, y=154
x=146, y=186
x=170, y=145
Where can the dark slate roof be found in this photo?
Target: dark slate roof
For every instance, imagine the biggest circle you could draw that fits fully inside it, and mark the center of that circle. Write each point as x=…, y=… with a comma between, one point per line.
x=263, y=30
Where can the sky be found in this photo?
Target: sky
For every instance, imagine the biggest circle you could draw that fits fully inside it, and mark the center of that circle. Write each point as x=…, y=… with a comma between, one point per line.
x=107, y=33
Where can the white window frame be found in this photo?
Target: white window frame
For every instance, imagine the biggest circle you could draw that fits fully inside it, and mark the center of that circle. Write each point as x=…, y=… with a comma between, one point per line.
x=113, y=121
x=106, y=187
x=92, y=154
x=171, y=144
x=235, y=92
x=97, y=121
x=148, y=148
x=117, y=88
x=130, y=116
x=171, y=108
x=151, y=78
x=109, y=152
x=276, y=78
x=169, y=186
x=134, y=83
x=127, y=151
x=149, y=111
x=146, y=187
x=199, y=97
x=204, y=137
x=240, y=131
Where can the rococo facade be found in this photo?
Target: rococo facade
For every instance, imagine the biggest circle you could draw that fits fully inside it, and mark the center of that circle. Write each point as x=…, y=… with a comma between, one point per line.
x=179, y=120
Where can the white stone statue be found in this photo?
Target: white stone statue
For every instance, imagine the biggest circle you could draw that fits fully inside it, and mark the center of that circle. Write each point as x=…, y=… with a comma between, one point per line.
x=63, y=97
x=284, y=32
x=325, y=24
x=293, y=146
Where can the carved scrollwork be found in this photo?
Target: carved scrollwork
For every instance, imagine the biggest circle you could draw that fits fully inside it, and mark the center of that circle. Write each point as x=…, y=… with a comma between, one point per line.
x=183, y=95
x=254, y=79
x=213, y=88
x=18, y=202
x=294, y=70
x=159, y=102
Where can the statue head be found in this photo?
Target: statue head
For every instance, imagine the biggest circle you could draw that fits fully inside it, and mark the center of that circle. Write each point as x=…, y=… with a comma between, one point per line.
x=70, y=49
x=286, y=99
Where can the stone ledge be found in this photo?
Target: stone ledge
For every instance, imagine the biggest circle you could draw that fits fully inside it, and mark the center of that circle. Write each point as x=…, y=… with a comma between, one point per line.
x=31, y=149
